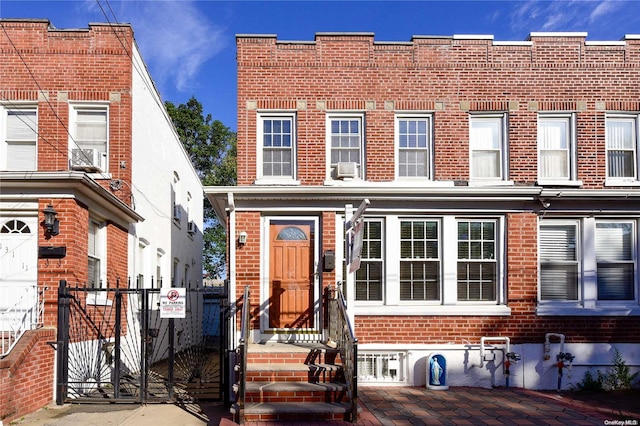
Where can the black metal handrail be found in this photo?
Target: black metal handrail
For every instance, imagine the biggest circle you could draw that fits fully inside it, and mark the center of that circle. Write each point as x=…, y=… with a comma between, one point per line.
x=341, y=332
x=241, y=353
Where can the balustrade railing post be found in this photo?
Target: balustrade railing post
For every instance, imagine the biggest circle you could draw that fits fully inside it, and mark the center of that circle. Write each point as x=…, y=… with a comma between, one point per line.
x=62, y=343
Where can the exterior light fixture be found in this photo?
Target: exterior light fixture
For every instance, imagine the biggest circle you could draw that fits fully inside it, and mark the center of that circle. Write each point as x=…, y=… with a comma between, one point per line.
x=51, y=224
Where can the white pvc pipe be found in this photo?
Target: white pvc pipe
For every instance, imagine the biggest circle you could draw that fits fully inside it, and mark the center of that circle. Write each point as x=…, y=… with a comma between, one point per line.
x=547, y=343
x=485, y=338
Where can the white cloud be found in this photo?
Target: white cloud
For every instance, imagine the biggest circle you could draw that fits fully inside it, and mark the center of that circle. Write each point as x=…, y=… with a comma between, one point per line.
x=175, y=39
x=604, y=8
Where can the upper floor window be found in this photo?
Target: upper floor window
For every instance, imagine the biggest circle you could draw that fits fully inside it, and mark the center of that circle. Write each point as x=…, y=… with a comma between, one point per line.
x=276, y=146
x=89, y=136
x=622, y=146
x=346, y=145
x=19, y=136
x=588, y=262
x=488, y=147
x=556, y=147
x=414, y=145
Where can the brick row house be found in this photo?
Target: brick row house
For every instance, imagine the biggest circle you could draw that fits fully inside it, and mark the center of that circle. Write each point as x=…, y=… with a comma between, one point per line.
x=84, y=134
x=503, y=189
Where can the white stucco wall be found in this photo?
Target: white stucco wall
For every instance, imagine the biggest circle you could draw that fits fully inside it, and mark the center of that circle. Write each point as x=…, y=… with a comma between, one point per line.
x=158, y=156
x=532, y=371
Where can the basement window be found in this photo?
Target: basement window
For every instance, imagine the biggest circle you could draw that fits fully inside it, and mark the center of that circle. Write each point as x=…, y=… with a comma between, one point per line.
x=382, y=367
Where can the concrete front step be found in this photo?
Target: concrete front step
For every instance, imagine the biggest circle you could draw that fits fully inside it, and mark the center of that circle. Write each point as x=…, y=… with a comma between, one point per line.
x=270, y=411
x=294, y=372
x=295, y=392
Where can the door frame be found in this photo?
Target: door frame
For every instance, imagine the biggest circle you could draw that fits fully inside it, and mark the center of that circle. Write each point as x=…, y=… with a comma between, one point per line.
x=267, y=334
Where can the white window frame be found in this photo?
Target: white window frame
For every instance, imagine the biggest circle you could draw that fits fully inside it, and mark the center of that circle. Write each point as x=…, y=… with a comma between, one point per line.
x=418, y=255
x=260, y=149
x=570, y=166
x=331, y=166
x=428, y=148
x=482, y=260
x=448, y=303
x=22, y=142
x=100, y=255
x=588, y=303
x=74, y=143
x=502, y=150
x=634, y=120
x=366, y=260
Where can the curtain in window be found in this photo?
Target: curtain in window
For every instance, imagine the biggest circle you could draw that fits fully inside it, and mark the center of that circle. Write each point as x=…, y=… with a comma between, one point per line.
x=621, y=148
x=553, y=146
x=558, y=262
x=21, y=140
x=486, y=140
x=614, y=252
x=91, y=130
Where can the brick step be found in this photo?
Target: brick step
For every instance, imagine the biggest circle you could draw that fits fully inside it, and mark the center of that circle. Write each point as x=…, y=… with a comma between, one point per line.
x=277, y=353
x=294, y=372
x=282, y=411
x=295, y=392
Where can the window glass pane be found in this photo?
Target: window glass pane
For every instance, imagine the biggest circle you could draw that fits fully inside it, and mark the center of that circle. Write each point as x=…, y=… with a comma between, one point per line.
x=413, y=147
x=614, y=252
x=621, y=147
x=21, y=125
x=558, y=261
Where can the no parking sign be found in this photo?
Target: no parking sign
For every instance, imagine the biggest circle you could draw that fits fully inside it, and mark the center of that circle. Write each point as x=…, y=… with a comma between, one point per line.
x=173, y=302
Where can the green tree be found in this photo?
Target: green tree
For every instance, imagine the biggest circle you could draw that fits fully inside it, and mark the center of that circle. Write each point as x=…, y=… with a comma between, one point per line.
x=212, y=148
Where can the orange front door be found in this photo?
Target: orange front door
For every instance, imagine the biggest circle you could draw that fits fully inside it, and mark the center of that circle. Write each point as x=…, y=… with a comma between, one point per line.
x=291, y=275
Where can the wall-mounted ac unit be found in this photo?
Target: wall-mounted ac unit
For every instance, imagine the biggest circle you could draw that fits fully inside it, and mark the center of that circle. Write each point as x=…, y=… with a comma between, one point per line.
x=191, y=227
x=346, y=170
x=89, y=160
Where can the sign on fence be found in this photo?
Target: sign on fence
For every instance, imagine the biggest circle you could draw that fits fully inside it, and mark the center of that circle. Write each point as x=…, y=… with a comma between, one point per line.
x=173, y=302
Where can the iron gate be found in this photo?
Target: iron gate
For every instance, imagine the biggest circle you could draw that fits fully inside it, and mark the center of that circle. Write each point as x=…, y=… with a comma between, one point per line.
x=114, y=346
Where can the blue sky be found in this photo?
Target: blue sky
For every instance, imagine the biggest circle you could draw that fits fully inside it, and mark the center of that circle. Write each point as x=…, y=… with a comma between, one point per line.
x=189, y=46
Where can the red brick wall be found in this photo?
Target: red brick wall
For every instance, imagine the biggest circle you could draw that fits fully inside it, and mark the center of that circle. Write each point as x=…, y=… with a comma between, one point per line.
x=27, y=375
x=450, y=78
x=557, y=73
x=70, y=66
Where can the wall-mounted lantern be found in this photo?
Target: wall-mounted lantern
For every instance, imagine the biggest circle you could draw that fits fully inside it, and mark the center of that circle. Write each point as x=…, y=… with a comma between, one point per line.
x=51, y=224
x=242, y=238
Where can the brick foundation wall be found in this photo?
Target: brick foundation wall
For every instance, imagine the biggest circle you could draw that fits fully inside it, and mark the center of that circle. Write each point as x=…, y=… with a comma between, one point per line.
x=27, y=375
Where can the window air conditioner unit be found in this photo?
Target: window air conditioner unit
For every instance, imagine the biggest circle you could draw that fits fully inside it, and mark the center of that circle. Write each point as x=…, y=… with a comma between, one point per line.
x=89, y=160
x=177, y=213
x=346, y=170
x=191, y=227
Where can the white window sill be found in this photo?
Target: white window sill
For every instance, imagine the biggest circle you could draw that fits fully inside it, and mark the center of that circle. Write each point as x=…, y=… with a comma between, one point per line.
x=276, y=181
x=98, y=298
x=559, y=182
x=619, y=182
x=422, y=182
x=344, y=182
x=495, y=182
x=100, y=175
x=428, y=310
x=608, y=310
